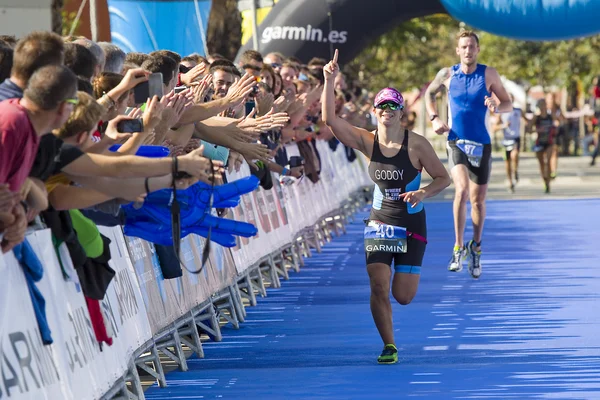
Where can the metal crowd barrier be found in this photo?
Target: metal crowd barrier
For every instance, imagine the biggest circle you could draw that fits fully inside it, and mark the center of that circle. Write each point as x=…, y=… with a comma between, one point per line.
x=228, y=305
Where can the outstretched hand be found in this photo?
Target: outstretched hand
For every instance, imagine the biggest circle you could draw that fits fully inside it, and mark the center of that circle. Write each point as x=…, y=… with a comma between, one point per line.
x=332, y=69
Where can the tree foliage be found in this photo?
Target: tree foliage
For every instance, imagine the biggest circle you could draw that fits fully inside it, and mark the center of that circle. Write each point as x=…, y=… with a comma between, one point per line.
x=542, y=63
x=224, y=29
x=410, y=55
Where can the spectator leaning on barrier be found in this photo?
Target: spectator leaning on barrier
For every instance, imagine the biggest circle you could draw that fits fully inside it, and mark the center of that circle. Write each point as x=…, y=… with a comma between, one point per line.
x=47, y=103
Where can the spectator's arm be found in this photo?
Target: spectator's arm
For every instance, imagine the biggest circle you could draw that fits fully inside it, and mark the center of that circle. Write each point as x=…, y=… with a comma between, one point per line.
x=201, y=112
x=181, y=136
x=15, y=232
x=132, y=78
x=37, y=197
x=222, y=133
x=8, y=200
x=66, y=197
x=133, y=167
x=236, y=95
x=99, y=190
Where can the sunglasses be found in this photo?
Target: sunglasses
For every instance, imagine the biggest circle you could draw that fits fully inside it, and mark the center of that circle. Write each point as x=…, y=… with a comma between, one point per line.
x=72, y=101
x=391, y=106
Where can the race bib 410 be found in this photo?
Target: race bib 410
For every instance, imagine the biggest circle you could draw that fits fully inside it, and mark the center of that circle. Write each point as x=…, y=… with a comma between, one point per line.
x=385, y=238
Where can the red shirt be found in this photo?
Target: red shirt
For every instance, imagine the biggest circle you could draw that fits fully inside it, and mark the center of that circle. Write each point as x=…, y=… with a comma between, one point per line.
x=18, y=144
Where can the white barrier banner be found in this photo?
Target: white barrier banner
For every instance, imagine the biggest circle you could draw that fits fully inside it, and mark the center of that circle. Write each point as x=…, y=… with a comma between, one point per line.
x=167, y=300
x=29, y=369
x=74, y=366
x=267, y=210
x=282, y=212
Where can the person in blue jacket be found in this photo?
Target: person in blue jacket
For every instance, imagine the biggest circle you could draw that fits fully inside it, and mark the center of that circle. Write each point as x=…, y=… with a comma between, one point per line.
x=474, y=90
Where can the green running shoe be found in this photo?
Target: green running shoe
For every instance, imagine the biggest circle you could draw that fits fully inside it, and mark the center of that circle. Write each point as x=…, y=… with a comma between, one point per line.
x=389, y=355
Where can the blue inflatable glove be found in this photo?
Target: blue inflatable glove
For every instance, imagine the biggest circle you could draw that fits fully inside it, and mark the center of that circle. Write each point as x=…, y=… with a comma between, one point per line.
x=146, y=151
x=152, y=222
x=163, y=234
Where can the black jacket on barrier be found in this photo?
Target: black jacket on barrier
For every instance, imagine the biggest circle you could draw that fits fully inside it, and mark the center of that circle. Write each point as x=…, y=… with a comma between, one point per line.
x=169, y=264
x=94, y=273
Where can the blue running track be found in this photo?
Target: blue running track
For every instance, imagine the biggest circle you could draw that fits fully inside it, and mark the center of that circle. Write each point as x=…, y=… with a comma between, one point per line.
x=528, y=329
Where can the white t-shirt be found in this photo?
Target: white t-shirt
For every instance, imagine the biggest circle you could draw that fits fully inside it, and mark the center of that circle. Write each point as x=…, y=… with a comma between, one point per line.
x=513, y=131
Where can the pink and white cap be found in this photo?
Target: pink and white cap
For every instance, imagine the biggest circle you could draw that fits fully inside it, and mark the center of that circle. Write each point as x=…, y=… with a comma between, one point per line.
x=388, y=94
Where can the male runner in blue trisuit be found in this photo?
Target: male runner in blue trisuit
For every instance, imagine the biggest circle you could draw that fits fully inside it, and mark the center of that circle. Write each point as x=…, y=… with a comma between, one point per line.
x=472, y=90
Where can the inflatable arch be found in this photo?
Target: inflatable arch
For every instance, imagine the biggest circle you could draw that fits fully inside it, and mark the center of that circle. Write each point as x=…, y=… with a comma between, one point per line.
x=313, y=28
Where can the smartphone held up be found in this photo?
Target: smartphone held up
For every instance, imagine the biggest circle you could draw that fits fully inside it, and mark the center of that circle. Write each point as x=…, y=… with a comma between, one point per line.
x=130, y=125
x=152, y=87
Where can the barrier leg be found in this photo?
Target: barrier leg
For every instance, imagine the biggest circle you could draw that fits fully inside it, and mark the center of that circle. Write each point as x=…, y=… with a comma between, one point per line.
x=305, y=248
x=238, y=292
x=265, y=273
x=340, y=223
x=332, y=226
x=326, y=232
x=269, y=271
x=119, y=391
x=280, y=268
x=224, y=302
x=136, y=383
x=174, y=340
x=190, y=337
x=237, y=302
x=292, y=258
x=157, y=371
x=123, y=393
x=214, y=320
x=299, y=251
x=258, y=282
x=312, y=238
x=247, y=289
x=209, y=313
x=273, y=272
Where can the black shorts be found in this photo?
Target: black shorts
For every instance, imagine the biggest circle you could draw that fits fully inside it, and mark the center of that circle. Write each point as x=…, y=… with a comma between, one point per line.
x=516, y=146
x=413, y=256
x=541, y=148
x=479, y=175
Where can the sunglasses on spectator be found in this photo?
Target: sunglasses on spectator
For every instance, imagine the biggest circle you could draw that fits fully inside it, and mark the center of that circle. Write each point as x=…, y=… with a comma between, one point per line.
x=276, y=65
x=391, y=106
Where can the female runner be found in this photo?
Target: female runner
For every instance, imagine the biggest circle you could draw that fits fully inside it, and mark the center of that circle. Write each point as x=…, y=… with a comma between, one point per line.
x=397, y=229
